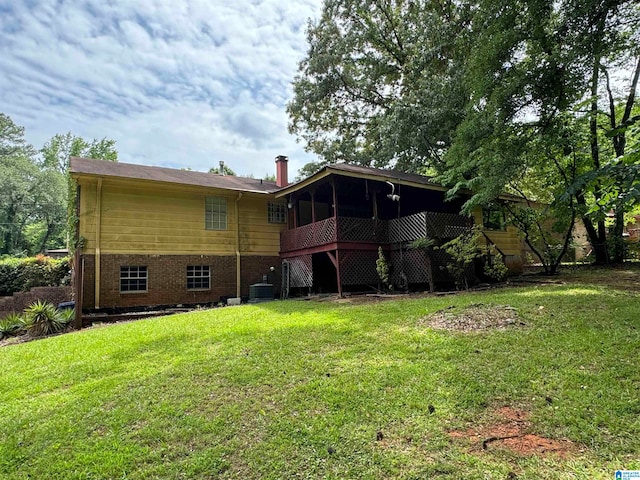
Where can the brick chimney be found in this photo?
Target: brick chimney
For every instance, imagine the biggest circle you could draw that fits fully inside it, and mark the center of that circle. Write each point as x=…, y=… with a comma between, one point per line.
x=282, y=176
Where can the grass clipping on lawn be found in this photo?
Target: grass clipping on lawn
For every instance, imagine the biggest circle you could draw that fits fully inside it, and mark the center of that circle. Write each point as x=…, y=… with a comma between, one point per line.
x=475, y=317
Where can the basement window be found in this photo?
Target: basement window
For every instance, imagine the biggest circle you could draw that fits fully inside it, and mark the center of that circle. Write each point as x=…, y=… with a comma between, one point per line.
x=133, y=279
x=277, y=212
x=215, y=213
x=198, y=277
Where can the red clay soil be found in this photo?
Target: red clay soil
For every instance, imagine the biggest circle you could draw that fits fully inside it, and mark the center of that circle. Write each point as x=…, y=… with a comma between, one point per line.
x=511, y=433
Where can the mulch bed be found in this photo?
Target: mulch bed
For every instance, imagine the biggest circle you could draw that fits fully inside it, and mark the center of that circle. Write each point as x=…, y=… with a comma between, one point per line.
x=474, y=318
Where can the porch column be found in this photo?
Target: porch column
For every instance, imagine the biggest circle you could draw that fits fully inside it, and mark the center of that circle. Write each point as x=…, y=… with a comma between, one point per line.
x=313, y=205
x=295, y=211
x=374, y=200
x=335, y=216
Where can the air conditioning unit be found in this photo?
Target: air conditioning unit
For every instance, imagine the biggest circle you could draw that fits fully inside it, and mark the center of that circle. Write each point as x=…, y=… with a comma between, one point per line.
x=260, y=292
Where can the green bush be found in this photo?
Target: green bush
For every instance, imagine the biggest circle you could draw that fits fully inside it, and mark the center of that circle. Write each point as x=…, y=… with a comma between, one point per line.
x=66, y=316
x=11, y=325
x=382, y=268
x=21, y=274
x=494, y=266
x=42, y=318
x=463, y=251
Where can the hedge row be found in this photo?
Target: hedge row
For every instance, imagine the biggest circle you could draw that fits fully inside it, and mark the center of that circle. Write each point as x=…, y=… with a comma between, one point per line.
x=22, y=274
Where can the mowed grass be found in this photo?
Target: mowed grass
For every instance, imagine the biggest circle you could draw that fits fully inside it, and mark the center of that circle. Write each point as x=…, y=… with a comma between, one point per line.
x=297, y=389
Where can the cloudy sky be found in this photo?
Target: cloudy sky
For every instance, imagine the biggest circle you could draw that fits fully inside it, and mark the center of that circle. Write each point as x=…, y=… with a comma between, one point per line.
x=177, y=83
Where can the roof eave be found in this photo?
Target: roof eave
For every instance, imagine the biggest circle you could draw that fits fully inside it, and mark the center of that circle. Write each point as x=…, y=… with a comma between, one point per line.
x=328, y=170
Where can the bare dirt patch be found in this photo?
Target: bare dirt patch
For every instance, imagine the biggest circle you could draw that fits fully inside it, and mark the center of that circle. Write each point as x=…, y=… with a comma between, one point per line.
x=512, y=432
x=476, y=317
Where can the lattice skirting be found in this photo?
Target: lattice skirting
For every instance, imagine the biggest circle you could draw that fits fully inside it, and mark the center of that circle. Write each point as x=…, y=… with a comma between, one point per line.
x=415, y=264
x=358, y=267
x=300, y=271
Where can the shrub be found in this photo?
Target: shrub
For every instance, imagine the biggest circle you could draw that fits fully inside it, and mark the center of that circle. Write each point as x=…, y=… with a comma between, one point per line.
x=42, y=318
x=423, y=243
x=21, y=274
x=494, y=266
x=463, y=250
x=66, y=316
x=382, y=268
x=11, y=325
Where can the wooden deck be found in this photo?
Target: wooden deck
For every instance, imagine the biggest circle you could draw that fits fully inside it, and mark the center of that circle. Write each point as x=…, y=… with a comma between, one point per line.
x=365, y=233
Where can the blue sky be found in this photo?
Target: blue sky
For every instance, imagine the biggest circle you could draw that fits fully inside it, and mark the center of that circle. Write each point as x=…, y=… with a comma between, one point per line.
x=177, y=83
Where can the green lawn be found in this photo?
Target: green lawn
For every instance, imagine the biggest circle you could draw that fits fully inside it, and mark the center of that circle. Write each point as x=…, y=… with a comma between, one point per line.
x=301, y=389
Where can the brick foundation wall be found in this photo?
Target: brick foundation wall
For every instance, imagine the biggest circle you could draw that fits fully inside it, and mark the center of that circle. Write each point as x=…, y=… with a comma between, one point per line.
x=167, y=279
x=253, y=268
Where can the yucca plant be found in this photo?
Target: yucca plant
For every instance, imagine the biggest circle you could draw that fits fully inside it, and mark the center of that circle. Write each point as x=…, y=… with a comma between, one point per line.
x=42, y=318
x=11, y=325
x=66, y=316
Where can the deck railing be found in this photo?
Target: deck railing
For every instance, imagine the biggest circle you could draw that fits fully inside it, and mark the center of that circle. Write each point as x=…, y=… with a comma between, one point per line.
x=442, y=226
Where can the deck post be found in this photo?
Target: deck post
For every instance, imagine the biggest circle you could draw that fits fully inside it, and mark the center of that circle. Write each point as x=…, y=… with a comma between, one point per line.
x=335, y=216
x=338, y=273
x=295, y=212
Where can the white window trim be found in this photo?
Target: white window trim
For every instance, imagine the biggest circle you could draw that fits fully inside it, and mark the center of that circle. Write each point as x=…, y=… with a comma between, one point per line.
x=128, y=277
x=274, y=209
x=210, y=204
x=208, y=277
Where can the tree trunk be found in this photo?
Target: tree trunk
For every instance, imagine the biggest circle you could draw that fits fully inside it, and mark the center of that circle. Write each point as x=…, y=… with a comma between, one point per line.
x=43, y=243
x=619, y=144
x=597, y=238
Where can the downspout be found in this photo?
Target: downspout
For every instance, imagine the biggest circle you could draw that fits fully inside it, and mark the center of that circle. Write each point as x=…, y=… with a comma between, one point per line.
x=98, y=228
x=238, y=270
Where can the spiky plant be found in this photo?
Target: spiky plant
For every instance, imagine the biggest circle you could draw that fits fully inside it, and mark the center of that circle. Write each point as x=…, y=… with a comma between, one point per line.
x=66, y=316
x=11, y=325
x=42, y=318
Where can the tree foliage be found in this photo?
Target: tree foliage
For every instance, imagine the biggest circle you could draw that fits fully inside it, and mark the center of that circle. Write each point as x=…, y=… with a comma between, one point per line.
x=492, y=95
x=37, y=195
x=381, y=82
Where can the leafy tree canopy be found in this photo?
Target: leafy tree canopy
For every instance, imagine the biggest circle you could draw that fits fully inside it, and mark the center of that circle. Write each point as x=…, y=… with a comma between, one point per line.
x=489, y=94
x=36, y=192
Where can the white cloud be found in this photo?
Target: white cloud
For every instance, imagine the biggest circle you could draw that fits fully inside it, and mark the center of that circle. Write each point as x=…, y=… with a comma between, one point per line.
x=182, y=84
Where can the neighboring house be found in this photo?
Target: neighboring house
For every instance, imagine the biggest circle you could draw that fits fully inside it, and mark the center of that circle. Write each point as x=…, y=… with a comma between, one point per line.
x=159, y=236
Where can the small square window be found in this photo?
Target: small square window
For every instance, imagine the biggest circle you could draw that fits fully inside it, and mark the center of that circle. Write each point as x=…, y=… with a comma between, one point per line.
x=277, y=212
x=215, y=217
x=133, y=279
x=493, y=218
x=198, y=277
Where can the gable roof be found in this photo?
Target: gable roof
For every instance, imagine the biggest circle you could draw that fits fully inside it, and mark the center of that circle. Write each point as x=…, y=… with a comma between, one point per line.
x=102, y=168
x=378, y=174
x=370, y=173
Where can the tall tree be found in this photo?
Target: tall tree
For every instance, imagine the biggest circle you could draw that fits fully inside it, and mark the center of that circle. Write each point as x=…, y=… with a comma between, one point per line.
x=57, y=151
x=55, y=155
x=535, y=66
x=381, y=82
x=17, y=180
x=468, y=89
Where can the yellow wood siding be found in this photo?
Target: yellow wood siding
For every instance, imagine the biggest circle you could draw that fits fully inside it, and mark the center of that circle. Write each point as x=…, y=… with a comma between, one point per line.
x=508, y=241
x=154, y=218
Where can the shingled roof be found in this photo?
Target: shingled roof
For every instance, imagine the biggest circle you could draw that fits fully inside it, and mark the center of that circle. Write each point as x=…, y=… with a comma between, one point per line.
x=102, y=168
x=391, y=174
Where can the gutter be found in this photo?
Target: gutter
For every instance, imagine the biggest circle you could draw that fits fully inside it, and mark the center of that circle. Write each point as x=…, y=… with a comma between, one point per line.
x=238, y=270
